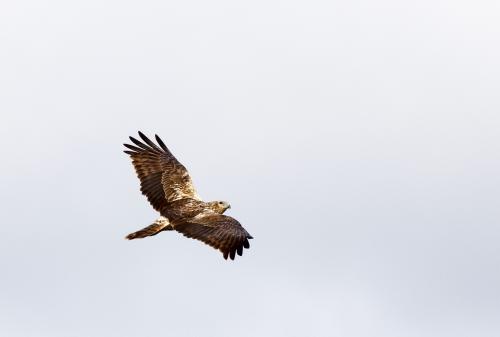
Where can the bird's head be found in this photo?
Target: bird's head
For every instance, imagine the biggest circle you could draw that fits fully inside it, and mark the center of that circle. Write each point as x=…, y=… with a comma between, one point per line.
x=219, y=206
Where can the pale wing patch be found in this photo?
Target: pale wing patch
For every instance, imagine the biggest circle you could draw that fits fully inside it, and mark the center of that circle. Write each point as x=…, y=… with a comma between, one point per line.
x=178, y=185
x=204, y=214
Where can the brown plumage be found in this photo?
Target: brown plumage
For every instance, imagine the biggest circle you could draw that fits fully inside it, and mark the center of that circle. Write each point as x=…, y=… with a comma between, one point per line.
x=169, y=189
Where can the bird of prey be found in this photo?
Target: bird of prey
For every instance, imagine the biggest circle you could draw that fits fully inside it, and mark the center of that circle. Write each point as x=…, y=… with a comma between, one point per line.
x=169, y=189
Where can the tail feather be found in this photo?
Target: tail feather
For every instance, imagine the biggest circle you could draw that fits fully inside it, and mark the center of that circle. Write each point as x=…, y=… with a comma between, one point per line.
x=156, y=227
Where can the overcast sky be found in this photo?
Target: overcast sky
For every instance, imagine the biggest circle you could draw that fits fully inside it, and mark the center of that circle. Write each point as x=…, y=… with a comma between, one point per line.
x=357, y=141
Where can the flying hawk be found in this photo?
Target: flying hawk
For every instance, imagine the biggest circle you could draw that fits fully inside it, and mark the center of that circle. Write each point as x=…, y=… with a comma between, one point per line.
x=169, y=188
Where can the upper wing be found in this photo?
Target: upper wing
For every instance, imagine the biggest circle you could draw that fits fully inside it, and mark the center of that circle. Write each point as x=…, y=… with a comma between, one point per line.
x=219, y=231
x=163, y=178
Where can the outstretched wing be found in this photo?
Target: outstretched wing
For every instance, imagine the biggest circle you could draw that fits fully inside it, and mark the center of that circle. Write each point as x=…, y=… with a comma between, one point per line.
x=163, y=178
x=219, y=231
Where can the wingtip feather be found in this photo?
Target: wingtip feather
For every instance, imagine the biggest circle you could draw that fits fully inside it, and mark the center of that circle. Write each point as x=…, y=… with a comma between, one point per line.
x=161, y=143
x=132, y=147
x=148, y=141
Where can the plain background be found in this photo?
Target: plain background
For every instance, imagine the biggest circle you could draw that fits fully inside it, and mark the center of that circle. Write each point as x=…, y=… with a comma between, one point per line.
x=357, y=141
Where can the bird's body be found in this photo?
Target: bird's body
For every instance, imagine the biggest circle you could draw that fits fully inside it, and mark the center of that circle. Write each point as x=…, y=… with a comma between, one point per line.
x=169, y=188
x=188, y=208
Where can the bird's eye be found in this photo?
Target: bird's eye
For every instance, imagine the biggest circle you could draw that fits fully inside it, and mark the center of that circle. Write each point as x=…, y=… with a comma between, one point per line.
x=220, y=202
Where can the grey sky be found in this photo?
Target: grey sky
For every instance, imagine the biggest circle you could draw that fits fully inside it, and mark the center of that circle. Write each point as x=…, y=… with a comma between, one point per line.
x=357, y=141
